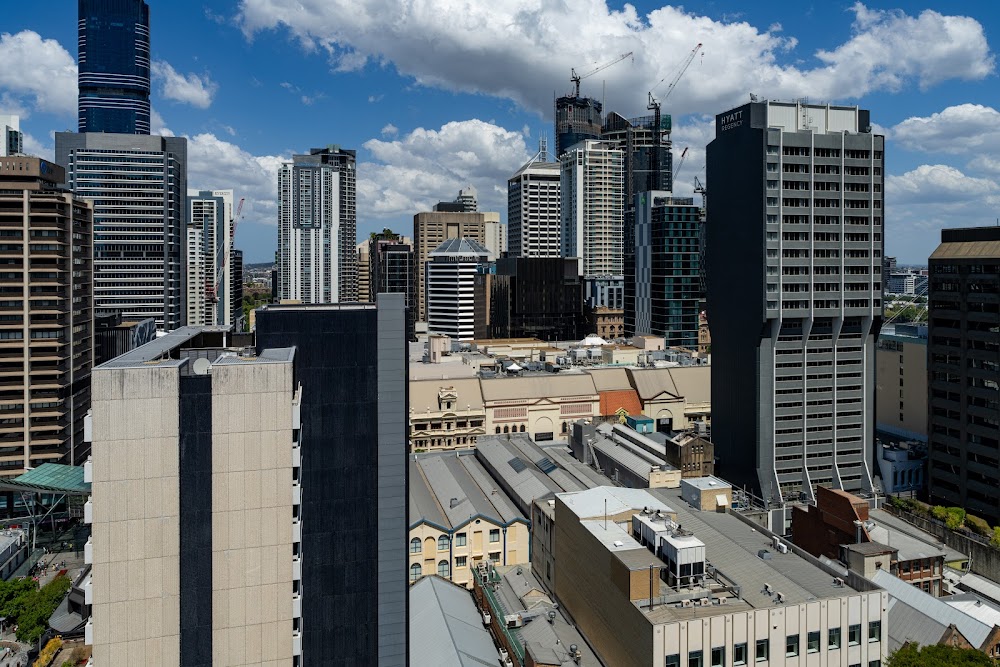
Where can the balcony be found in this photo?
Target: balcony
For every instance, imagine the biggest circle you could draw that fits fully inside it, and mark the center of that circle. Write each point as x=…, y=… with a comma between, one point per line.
x=88, y=595
x=88, y=511
x=296, y=494
x=296, y=643
x=296, y=606
x=296, y=453
x=88, y=551
x=296, y=532
x=297, y=568
x=88, y=633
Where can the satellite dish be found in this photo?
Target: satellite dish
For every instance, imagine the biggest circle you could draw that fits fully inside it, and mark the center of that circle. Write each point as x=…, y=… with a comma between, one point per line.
x=201, y=366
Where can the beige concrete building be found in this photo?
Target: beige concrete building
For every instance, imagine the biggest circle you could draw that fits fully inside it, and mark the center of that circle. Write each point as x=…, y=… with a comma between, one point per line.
x=364, y=272
x=195, y=506
x=47, y=325
x=446, y=414
x=459, y=518
x=651, y=582
x=542, y=406
x=432, y=228
x=901, y=376
x=675, y=397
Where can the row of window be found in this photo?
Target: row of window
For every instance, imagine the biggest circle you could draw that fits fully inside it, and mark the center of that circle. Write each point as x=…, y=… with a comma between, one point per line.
x=444, y=542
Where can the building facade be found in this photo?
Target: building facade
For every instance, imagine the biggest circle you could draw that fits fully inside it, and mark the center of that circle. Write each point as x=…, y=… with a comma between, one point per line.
x=47, y=326
x=209, y=275
x=901, y=369
x=536, y=297
x=592, y=212
x=364, y=273
x=354, y=425
x=533, y=202
x=667, y=279
x=390, y=271
x=648, y=157
x=114, y=61
x=196, y=458
x=138, y=185
x=317, y=227
x=576, y=119
x=964, y=467
x=445, y=414
x=793, y=341
x=455, y=276
x=432, y=228
x=11, y=137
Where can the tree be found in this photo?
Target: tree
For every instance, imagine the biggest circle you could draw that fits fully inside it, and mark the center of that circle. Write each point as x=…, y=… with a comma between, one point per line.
x=912, y=655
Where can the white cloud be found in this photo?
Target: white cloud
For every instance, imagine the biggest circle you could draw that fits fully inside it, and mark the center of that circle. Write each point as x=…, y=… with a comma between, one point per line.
x=38, y=73
x=694, y=134
x=957, y=129
x=389, y=130
x=158, y=125
x=33, y=146
x=520, y=48
x=192, y=89
x=415, y=171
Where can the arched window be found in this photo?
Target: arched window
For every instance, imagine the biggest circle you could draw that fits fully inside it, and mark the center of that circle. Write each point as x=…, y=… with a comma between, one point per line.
x=564, y=427
x=506, y=429
x=415, y=545
x=522, y=428
x=414, y=572
x=443, y=543
x=444, y=569
x=498, y=430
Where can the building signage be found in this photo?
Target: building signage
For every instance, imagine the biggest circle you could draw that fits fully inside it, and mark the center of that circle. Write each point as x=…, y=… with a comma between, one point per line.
x=730, y=120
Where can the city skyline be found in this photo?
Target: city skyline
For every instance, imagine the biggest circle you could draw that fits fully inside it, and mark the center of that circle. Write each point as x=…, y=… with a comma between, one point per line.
x=427, y=128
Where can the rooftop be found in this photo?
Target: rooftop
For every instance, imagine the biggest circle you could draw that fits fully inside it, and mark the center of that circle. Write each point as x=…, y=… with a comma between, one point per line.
x=911, y=541
x=50, y=478
x=460, y=246
x=707, y=483
x=446, y=628
x=450, y=489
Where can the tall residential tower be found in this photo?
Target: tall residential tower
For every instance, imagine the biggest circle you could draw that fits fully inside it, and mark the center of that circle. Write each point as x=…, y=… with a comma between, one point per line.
x=794, y=255
x=533, y=210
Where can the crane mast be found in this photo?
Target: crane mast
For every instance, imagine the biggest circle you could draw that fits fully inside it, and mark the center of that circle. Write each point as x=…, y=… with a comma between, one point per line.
x=655, y=105
x=576, y=78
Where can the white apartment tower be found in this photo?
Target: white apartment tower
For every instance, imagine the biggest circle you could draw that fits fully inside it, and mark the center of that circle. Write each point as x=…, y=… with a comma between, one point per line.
x=317, y=220
x=11, y=138
x=533, y=201
x=456, y=289
x=593, y=211
x=207, y=261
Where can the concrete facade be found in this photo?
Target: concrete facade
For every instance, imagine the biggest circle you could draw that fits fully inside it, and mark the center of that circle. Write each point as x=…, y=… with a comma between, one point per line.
x=901, y=369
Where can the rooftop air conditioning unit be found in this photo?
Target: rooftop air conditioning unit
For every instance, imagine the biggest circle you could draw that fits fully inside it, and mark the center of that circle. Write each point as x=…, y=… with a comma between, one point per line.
x=487, y=618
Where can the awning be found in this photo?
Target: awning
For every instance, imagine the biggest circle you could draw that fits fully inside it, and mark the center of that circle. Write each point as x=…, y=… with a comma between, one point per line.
x=721, y=500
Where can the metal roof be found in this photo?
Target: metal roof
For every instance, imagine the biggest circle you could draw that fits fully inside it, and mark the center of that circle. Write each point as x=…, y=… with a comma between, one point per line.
x=933, y=608
x=448, y=489
x=446, y=628
x=158, y=347
x=460, y=246
x=907, y=624
x=967, y=250
x=624, y=456
x=50, y=478
x=547, y=386
x=591, y=503
x=707, y=483
x=910, y=540
x=527, y=484
x=424, y=393
x=584, y=475
x=610, y=379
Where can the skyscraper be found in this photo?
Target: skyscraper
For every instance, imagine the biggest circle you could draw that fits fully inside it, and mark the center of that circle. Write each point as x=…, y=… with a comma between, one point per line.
x=467, y=197
x=457, y=289
x=351, y=362
x=209, y=279
x=592, y=211
x=533, y=226
x=648, y=163
x=794, y=253
x=963, y=368
x=114, y=61
x=138, y=185
x=667, y=278
x=317, y=227
x=536, y=297
x=577, y=119
x=11, y=137
x=47, y=326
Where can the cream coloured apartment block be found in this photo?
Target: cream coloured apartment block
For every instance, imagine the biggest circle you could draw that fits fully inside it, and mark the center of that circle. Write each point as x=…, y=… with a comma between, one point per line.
x=195, y=505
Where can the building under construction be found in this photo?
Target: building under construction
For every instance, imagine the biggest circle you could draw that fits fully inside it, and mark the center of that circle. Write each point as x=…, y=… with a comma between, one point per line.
x=577, y=118
x=648, y=158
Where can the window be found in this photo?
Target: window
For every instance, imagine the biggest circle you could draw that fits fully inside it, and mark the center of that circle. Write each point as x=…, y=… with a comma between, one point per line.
x=695, y=659
x=813, y=643
x=414, y=572
x=719, y=656
x=460, y=561
x=791, y=646
x=495, y=535
x=833, y=639
x=874, y=663
x=444, y=569
x=854, y=635
x=460, y=540
x=762, y=650
x=874, y=631
x=673, y=660
x=443, y=543
x=740, y=654
x=495, y=556
x=415, y=545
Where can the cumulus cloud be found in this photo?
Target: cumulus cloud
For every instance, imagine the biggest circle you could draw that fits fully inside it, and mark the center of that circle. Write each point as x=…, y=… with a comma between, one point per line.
x=415, y=171
x=963, y=128
x=158, y=125
x=196, y=90
x=519, y=49
x=389, y=130
x=36, y=73
x=33, y=146
x=937, y=184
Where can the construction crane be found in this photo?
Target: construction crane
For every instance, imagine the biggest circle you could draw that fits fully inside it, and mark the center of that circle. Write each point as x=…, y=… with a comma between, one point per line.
x=221, y=257
x=576, y=78
x=680, y=162
x=655, y=105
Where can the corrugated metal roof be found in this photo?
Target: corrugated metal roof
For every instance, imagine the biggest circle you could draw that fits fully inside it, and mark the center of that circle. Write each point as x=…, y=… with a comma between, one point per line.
x=591, y=503
x=934, y=608
x=456, y=495
x=907, y=624
x=528, y=484
x=548, y=385
x=910, y=540
x=610, y=379
x=158, y=347
x=446, y=628
x=424, y=394
x=624, y=457
x=967, y=250
x=652, y=382
x=694, y=383
x=461, y=246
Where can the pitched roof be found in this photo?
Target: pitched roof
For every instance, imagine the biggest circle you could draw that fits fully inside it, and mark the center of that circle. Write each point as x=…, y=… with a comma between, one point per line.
x=424, y=394
x=445, y=627
x=612, y=401
x=51, y=478
x=448, y=489
x=610, y=379
x=462, y=246
x=539, y=386
x=653, y=382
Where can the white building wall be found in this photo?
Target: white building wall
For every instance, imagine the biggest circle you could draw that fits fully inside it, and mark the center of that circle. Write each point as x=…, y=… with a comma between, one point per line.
x=533, y=206
x=593, y=208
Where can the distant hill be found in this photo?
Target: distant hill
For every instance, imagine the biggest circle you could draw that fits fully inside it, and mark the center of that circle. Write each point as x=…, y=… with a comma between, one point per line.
x=261, y=265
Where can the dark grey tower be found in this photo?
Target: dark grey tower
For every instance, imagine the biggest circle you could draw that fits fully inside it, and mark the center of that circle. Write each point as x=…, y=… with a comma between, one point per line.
x=794, y=255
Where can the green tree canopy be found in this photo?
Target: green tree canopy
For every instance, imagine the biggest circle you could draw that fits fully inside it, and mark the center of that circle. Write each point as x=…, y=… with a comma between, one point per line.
x=912, y=655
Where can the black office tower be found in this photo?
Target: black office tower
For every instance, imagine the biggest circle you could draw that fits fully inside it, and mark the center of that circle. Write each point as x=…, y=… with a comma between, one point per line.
x=794, y=255
x=537, y=297
x=351, y=360
x=963, y=367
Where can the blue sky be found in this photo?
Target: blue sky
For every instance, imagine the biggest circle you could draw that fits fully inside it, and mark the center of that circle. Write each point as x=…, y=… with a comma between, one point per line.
x=436, y=95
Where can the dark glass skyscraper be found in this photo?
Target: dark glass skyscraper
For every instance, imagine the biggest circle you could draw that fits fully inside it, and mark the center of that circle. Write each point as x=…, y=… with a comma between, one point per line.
x=114, y=66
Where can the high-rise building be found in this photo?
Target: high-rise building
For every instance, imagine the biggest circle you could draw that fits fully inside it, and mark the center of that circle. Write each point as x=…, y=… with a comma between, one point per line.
x=667, y=269
x=351, y=361
x=533, y=224
x=47, y=326
x=963, y=368
x=796, y=217
x=11, y=137
x=901, y=369
x=592, y=211
x=114, y=60
x=648, y=162
x=576, y=119
x=432, y=228
x=457, y=289
x=388, y=269
x=536, y=297
x=138, y=185
x=467, y=197
x=364, y=273
x=197, y=460
x=317, y=227
x=235, y=272
x=209, y=250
